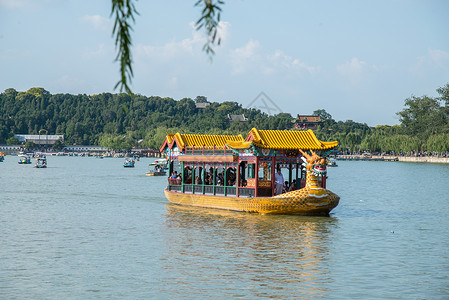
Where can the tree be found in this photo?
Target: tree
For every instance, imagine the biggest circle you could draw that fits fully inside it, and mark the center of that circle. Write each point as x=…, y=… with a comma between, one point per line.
x=29, y=145
x=444, y=94
x=324, y=115
x=422, y=116
x=124, y=12
x=10, y=92
x=12, y=141
x=58, y=145
x=444, y=98
x=201, y=99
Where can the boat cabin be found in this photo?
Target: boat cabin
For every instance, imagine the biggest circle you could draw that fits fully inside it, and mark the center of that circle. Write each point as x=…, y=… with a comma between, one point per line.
x=230, y=165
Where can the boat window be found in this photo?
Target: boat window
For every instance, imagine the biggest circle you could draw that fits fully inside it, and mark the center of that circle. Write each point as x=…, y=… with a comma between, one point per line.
x=242, y=173
x=187, y=175
x=231, y=176
x=198, y=174
x=251, y=170
x=265, y=170
x=219, y=176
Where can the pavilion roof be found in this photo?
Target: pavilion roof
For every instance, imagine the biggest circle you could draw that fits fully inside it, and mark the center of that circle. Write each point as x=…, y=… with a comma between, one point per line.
x=283, y=139
x=268, y=139
x=199, y=140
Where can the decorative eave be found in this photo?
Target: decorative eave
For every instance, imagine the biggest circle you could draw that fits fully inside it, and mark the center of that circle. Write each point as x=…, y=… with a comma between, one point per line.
x=283, y=139
x=265, y=139
x=182, y=141
x=168, y=142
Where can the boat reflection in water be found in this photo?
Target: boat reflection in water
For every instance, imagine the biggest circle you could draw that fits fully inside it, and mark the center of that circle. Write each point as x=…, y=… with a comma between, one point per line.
x=259, y=255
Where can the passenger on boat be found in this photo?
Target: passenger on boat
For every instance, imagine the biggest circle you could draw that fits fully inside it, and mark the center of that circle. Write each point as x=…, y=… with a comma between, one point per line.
x=198, y=180
x=220, y=179
x=286, y=186
x=293, y=186
x=278, y=182
x=175, y=175
x=208, y=179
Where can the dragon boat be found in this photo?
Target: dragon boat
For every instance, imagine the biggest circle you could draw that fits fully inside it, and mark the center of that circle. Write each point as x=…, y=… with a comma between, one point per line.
x=232, y=173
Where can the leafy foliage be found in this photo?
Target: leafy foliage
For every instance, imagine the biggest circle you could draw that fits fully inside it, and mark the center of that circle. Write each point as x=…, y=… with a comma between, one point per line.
x=124, y=11
x=210, y=19
x=424, y=126
x=122, y=121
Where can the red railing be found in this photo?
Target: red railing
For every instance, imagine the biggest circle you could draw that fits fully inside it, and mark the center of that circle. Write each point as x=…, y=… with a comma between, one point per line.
x=174, y=181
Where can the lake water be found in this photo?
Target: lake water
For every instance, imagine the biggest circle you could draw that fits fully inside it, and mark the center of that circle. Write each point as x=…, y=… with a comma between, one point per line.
x=87, y=228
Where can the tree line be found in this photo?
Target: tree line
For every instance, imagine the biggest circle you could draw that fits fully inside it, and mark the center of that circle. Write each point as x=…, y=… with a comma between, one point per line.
x=122, y=121
x=424, y=126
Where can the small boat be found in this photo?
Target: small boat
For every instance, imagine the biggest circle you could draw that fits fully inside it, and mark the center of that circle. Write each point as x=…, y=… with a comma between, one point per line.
x=332, y=162
x=129, y=163
x=24, y=159
x=159, y=168
x=41, y=162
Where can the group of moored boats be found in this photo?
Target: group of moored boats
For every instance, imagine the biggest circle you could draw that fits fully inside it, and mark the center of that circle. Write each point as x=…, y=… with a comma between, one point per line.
x=25, y=159
x=159, y=167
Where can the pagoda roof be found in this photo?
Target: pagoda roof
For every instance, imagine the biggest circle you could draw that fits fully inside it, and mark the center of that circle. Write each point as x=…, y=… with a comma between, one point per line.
x=199, y=140
x=283, y=139
x=268, y=139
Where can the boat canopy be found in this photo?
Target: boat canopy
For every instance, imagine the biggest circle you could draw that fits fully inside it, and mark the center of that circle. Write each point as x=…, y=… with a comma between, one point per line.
x=282, y=139
x=199, y=140
x=265, y=139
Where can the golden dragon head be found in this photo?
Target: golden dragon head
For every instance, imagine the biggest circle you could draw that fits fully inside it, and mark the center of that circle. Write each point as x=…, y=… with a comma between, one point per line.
x=315, y=164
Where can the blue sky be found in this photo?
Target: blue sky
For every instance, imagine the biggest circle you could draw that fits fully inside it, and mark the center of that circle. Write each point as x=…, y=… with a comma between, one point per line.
x=358, y=60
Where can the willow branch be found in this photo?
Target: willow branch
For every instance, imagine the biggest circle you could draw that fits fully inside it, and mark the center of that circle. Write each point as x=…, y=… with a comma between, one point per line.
x=124, y=11
x=209, y=20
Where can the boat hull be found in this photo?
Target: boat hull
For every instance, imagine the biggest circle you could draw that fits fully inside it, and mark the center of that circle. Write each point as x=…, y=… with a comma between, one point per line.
x=288, y=203
x=153, y=173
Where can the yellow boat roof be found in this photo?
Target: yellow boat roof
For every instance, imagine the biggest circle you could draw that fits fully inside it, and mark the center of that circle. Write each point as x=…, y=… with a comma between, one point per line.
x=200, y=140
x=283, y=139
x=269, y=139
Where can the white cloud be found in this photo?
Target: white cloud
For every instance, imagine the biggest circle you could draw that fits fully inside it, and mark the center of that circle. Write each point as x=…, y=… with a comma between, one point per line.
x=173, y=48
x=223, y=31
x=352, y=68
x=439, y=58
x=287, y=62
x=242, y=58
x=98, y=22
x=252, y=58
x=190, y=46
x=433, y=60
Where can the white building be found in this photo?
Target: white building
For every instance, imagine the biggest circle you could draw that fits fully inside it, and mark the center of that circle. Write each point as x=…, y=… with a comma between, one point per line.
x=43, y=139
